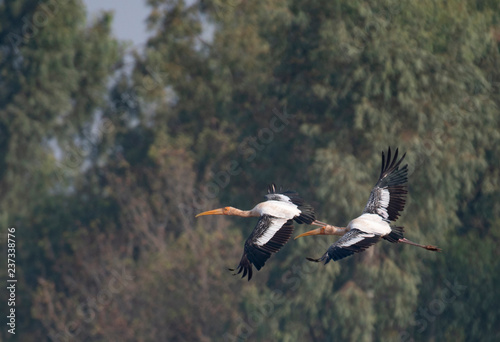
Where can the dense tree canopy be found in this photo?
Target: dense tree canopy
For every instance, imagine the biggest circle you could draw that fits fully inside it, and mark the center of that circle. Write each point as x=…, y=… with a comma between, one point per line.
x=103, y=168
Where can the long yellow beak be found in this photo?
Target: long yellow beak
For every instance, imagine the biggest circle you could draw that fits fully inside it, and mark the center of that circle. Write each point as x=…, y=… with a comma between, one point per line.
x=220, y=211
x=319, y=231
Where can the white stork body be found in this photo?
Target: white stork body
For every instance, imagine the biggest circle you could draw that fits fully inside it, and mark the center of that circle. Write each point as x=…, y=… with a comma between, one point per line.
x=279, y=209
x=386, y=201
x=274, y=228
x=370, y=223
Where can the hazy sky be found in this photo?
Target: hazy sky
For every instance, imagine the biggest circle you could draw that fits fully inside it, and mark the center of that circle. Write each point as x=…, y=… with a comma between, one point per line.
x=129, y=17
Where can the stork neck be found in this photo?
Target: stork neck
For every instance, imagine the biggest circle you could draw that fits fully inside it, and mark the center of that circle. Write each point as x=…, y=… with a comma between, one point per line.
x=334, y=230
x=242, y=213
x=328, y=229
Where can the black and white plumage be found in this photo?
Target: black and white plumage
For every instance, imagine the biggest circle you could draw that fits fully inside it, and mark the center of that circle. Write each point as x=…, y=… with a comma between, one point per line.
x=274, y=228
x=388, y=196
x=387, y=200
x=354, y=241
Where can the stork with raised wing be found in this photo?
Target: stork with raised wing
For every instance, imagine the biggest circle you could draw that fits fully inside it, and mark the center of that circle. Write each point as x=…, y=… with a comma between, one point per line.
x=274, y=228
x=386, y=201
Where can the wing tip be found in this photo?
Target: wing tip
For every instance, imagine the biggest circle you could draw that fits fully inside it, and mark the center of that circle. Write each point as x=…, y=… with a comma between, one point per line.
x=244, y=266
x=391, y=162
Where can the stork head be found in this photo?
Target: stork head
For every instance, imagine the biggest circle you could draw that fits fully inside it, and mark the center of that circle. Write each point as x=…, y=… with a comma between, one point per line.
x=220, y=211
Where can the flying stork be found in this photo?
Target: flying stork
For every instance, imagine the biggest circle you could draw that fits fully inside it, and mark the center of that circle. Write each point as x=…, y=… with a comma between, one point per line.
x=274, y=228
x=386, y=201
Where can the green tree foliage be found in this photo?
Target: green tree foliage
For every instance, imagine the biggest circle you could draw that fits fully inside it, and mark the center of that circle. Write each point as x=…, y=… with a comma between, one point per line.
x=53, y=71
x=226, y=97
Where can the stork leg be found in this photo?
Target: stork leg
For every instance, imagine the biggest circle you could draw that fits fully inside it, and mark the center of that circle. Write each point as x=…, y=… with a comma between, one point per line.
x=428, y=247
x=319, y=223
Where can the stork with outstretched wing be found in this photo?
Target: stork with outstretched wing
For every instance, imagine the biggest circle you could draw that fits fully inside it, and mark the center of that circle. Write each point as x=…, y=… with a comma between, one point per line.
x=274, y=228
x=386, y=201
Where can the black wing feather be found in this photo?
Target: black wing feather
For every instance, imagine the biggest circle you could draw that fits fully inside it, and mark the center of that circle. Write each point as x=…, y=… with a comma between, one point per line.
x=393, y=180
x=395, y=234
x=343, y=247
x=257, y=255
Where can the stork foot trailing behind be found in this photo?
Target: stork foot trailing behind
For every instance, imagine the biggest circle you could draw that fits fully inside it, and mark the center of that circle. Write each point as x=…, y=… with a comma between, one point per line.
x=386, y=201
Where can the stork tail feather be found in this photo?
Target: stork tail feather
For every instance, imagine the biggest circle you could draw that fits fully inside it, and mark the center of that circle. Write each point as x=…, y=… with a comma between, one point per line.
x=395, y=234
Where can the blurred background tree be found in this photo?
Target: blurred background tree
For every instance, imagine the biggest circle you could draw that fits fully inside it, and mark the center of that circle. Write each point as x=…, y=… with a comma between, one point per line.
x=103, y=168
